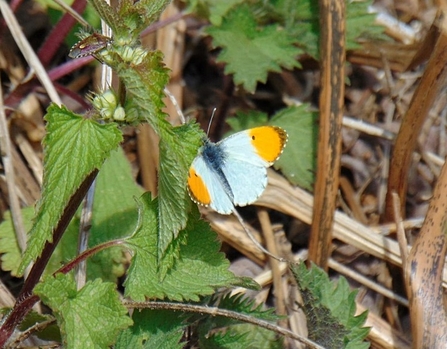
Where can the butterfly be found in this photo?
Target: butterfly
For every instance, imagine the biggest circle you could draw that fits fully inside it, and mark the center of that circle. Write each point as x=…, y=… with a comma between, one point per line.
x=233, y=172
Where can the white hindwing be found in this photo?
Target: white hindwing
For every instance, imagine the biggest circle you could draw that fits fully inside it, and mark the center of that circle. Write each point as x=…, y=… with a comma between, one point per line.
x=220, y=201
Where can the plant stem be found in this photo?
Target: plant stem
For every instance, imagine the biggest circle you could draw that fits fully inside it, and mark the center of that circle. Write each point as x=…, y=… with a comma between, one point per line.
x=26, y=299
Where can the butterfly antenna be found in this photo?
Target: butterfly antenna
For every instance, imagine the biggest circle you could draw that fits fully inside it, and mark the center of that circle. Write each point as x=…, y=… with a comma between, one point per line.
x=211, y=121
x=252, y=238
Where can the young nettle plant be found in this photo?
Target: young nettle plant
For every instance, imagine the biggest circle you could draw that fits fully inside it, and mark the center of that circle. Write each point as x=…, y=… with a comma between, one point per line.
x=175, y=255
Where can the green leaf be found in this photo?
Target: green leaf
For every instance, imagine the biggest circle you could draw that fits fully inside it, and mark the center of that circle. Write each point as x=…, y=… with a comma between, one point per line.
x=48, y=333
x=297, y=162
x=200, y=270
x=111, y=17
x=176, y=156
x=251, y=52
x=242, y=336
x=330, y=309
x=214, y=10
x=151, y=9
x=301, y=20
x=66, y=249
x=360, y=24
x=161, y=329
x=145, y=83
x=221, y=332
x=247, y=306
x=9, y=247
x=113, y=216
x=244, y=121
x=73, y=147
x=89, y=318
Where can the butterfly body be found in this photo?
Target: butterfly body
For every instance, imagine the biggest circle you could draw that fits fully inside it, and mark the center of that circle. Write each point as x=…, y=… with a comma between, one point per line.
x=233, y=172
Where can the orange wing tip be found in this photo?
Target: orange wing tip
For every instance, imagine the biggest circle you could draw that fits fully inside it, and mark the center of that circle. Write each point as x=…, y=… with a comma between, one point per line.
x=269, y=142
x=197, y=189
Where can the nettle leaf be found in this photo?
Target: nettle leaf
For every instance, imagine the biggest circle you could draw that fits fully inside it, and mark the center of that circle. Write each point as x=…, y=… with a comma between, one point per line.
x=110, y=16
x=9, y=246
x=361, y=24
x=330, y=309
x=242, y=336
x=145, y=83
x=238, y=304
x=297, y=162
x=152, y=10
x=73, y=147
x=114, y=216
x=200, y=270
x=176, y=156
x=243, y=121
x=220, y=332
x=153, y=329
x=215, y=10
x=251, y=52
x=89, y=318
x=247, y=306
x=48, y=333
x=301, y=20
x=133, y=17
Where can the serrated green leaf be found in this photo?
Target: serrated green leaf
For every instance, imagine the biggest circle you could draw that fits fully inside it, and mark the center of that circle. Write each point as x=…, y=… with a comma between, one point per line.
x=360, y=24
x=251, y=51
x=222, y=332
x=247, y=306
x=152, y=10
x=214, y=10
x=110, y=16
x=114, y=216
x=330, y=309
x=224, y=340
x=9, y=247
x=244, y=121
x=73, y=147
x=243, y=336
x=301, y=20
x=200, y=270
x=89, y=318
x=49, y=333
x=297, y=162
x=161, y=329
x=66, y=249
x=145, y=84
x=176, y=156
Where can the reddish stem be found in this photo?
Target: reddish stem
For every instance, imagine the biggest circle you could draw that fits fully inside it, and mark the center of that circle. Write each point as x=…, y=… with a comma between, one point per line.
x=60, y=31
x=26, y=299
